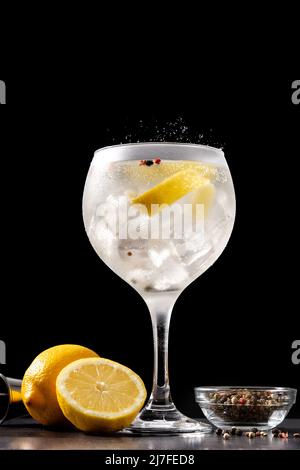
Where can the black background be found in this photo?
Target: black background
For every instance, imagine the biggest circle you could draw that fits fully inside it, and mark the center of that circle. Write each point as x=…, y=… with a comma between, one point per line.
x=234, y=325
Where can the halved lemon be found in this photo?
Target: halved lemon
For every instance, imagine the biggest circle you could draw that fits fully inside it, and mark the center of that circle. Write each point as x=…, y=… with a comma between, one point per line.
x=175, y=187
x=97, y=394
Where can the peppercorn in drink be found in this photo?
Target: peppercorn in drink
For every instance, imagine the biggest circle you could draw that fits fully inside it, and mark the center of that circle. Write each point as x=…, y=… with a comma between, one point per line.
x=159, y=215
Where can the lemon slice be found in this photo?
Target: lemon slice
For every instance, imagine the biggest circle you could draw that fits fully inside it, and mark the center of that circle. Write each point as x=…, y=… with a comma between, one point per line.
x=168, y=168
x=173, y=188
x=97, y=394
x=148, y=174
x=204, y=196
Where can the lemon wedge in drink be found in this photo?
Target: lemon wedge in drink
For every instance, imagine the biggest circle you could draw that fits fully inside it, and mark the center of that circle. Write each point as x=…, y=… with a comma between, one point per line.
x=97, y=394
x=205, y=196
x=167, y=168
x=148, y=174
x=175, y=187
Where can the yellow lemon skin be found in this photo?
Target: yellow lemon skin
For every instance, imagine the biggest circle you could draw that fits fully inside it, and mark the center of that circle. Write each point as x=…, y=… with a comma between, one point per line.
x=16, y=396
x=150, y=174
x=171, y=189
x=39, y=382
x=204, y=196
x=99, y=395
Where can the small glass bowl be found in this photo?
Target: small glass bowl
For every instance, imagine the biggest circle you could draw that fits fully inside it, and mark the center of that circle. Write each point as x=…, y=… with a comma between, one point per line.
x=245, y=407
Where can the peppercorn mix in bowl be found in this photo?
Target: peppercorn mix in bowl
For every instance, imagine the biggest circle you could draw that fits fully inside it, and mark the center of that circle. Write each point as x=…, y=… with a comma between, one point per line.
x=246, y=407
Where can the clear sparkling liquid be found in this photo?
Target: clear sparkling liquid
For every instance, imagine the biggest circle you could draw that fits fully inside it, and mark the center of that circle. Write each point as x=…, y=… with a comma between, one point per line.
x=153, y=264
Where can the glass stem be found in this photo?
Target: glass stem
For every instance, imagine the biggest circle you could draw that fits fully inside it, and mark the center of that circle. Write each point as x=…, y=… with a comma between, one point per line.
x=161, y=310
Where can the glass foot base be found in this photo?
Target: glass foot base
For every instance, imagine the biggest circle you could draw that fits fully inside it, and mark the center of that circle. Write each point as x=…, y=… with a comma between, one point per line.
x=166, y=422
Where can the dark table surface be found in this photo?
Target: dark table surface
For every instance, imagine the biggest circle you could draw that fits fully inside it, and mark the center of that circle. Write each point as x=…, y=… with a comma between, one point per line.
x=25, y=434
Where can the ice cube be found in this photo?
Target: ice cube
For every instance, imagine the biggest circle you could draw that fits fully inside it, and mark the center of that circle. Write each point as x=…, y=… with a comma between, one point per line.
x=192, y=242
x=103, y=239
x=142, y=278
x=137, y=248
x=170, y=275
x=158, y=256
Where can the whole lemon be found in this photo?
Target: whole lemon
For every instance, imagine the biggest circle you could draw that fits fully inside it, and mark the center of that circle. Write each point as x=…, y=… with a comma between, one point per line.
x=39, y=382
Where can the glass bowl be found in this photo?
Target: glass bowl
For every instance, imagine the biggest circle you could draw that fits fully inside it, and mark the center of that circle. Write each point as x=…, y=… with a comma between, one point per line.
x=245, y=407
